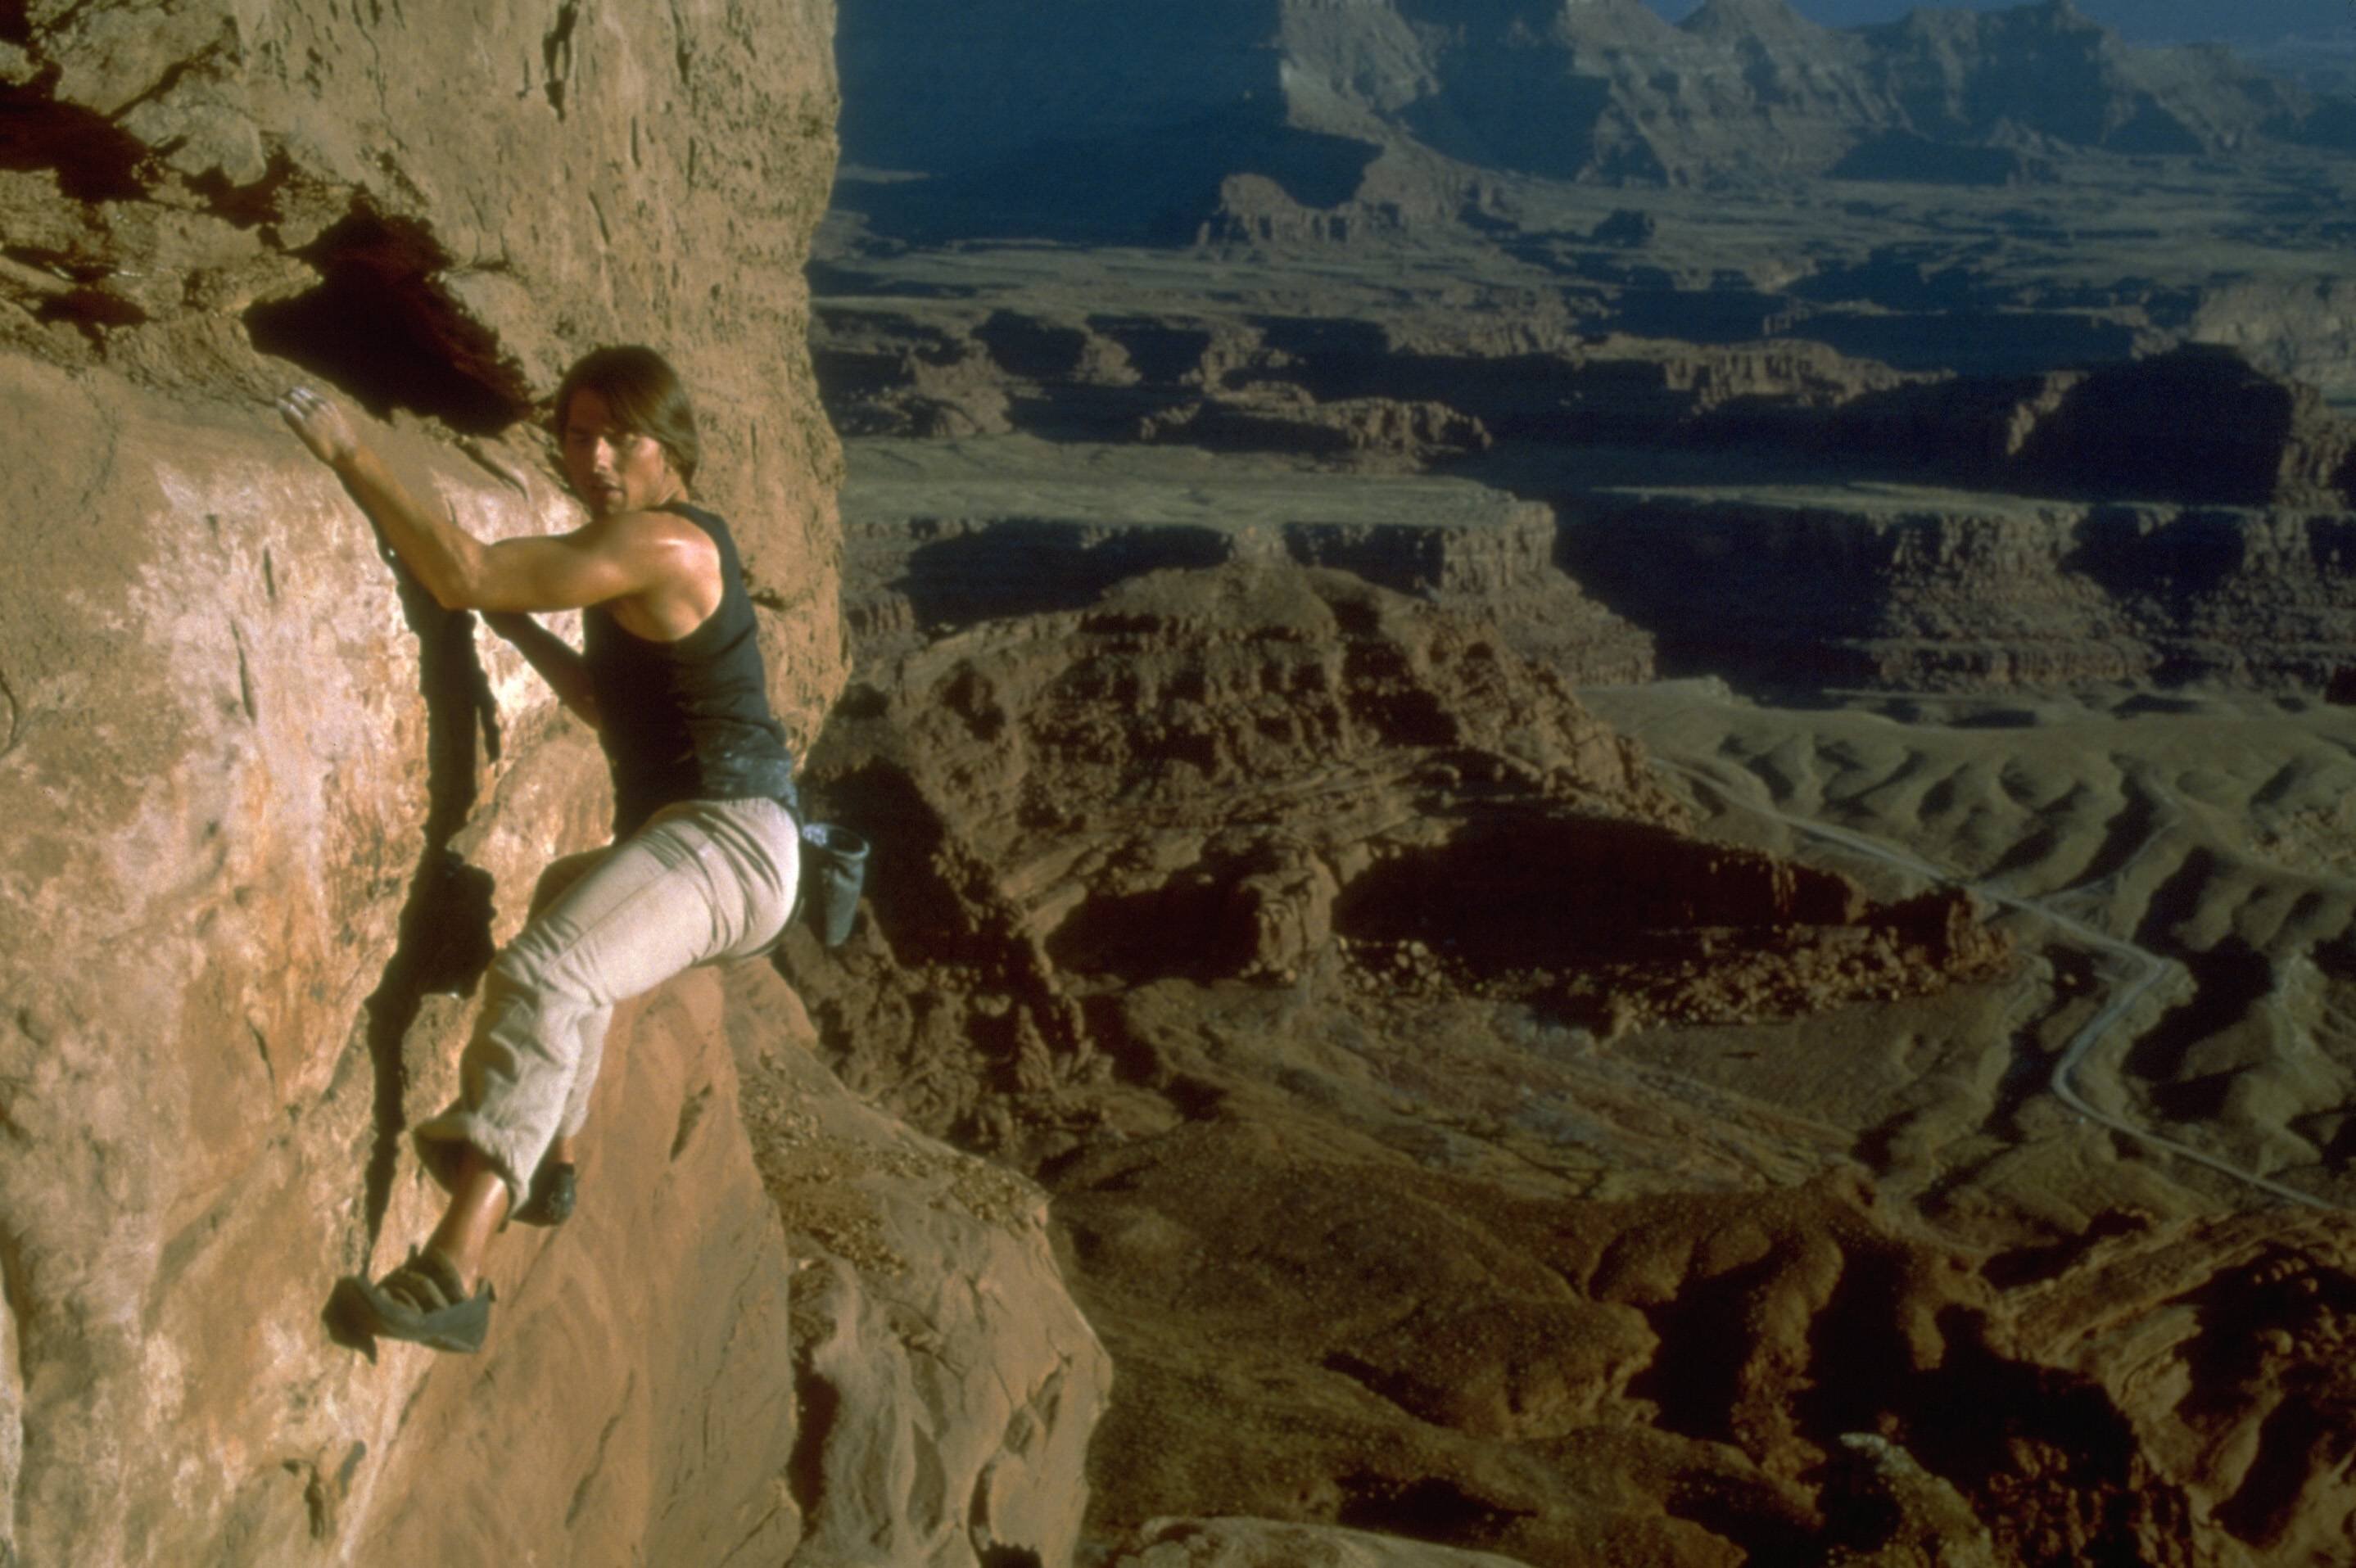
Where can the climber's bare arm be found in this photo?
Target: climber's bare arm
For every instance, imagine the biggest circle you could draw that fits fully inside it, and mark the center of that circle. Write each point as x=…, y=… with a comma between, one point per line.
x=654, y=560
x=559, y=662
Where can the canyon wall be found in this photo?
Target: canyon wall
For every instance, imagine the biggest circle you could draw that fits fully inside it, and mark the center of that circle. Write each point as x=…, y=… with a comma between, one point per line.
x=1867, y=586
x=1970, y=592
x=916, y=565
x=1409, y=382
x=1773, y=510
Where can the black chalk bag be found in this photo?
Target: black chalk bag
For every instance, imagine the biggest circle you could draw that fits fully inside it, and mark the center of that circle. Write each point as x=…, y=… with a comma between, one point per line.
x=834, y=867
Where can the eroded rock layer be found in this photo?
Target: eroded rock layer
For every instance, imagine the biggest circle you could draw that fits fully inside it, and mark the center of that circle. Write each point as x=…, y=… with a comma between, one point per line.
x=1401, y=386
x=1263, y=773
x=1771, y=512
x=1885, y=585
x=944, y=535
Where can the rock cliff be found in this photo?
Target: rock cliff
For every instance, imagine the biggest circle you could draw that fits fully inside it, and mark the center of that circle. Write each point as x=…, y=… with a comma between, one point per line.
x=1773, y=509
x=2200, y=424
x=276, y=807
x=1873, y=585
x=947, y=1385
x=943, y=535
x=1404, y=386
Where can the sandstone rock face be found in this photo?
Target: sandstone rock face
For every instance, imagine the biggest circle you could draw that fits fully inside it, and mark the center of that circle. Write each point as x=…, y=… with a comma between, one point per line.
x=636, y=1393
x=275, y=809
x=291, y=185
x=948, y=1384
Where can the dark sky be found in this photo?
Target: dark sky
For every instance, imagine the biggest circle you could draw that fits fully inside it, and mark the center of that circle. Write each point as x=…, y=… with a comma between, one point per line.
x=2178, y=21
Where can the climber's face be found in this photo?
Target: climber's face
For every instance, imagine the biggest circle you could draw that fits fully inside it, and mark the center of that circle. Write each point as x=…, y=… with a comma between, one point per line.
x=614, y=470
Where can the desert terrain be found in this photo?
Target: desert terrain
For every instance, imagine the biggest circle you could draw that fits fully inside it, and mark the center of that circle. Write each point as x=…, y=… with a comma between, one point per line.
x=1653, y=854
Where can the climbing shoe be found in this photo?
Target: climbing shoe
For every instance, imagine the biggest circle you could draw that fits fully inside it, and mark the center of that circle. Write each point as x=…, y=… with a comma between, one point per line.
x=422, y=1301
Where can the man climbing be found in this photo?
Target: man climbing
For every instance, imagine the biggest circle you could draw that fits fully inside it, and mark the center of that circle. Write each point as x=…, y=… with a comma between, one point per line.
x=705, y=854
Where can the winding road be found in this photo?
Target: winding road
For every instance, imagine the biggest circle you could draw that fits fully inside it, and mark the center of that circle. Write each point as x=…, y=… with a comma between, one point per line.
x=2146, y=970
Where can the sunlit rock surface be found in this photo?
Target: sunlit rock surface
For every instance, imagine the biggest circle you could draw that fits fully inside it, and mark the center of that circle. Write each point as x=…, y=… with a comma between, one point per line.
x=271, y=808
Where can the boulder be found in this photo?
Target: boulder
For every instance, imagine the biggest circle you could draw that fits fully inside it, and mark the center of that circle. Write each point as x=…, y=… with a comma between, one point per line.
x=948, y=1383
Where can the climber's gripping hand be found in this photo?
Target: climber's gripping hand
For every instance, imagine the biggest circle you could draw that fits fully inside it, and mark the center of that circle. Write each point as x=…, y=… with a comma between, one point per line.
x=322, y=425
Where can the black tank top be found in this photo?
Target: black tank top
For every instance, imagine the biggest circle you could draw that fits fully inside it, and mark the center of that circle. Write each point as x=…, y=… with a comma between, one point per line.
x=689, y=719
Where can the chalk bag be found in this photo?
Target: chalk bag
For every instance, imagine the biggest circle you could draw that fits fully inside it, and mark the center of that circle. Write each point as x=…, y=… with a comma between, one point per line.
x=834, y=867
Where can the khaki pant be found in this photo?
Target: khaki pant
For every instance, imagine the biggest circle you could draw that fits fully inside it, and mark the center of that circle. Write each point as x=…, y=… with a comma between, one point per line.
x=702, y=881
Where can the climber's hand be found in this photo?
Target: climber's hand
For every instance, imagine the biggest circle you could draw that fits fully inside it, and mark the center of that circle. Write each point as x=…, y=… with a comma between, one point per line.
x=322, y=423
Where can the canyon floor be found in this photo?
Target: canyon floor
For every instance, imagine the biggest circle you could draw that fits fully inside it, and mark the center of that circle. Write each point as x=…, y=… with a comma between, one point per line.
x=1626, y=928
x=1426, y=1175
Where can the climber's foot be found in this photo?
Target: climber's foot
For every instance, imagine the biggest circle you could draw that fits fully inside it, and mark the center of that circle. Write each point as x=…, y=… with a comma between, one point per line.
x=423, y=1301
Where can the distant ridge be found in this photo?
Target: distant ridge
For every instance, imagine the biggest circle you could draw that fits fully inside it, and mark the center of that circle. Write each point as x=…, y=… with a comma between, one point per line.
x=2144, y=21
x=1616, y=24
x=1773, y=22
x=1071, y=118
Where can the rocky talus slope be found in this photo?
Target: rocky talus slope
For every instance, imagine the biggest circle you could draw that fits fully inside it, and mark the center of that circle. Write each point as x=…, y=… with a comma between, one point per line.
x=273, y=809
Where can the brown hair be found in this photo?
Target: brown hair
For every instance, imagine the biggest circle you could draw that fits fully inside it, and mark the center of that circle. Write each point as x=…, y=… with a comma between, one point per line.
x=645, y=396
